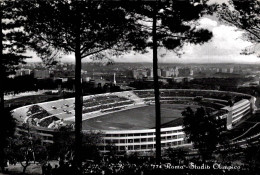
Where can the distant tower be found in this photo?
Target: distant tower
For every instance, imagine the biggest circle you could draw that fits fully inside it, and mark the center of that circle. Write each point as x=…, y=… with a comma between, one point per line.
x=115, y=78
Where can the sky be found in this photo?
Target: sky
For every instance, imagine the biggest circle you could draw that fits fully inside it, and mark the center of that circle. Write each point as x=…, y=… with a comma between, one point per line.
x=225, y=47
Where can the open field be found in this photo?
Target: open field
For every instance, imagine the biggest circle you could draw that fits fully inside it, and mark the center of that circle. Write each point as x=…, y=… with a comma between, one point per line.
x=138, y=118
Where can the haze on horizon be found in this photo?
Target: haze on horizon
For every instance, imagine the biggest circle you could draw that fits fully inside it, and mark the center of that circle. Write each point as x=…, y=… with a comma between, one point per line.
x=225, y=47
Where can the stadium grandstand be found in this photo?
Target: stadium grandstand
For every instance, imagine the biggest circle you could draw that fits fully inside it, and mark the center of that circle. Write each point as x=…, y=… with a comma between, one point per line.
x=126, y=119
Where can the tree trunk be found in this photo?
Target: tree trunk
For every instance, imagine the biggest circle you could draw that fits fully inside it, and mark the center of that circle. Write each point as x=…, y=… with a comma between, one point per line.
x=1, y=64
x=24, y=169
x=156, y=89
x=2, y=165
x=1, y=80
x=25, y=166
x=78, y=100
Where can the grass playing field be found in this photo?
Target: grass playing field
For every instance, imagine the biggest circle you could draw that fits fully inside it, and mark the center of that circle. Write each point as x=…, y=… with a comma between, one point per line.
x=138, y=118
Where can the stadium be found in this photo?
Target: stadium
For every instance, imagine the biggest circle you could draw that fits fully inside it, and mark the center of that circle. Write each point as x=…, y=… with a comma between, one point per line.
x=127, y=119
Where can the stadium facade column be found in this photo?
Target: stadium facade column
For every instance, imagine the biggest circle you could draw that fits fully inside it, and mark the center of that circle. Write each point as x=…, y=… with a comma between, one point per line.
x=229, y=119
x=252, y=104
x=156, y=88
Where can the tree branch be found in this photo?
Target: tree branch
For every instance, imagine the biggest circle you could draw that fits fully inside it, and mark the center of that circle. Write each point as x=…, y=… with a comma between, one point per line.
x=236, y=23
x=99, y=50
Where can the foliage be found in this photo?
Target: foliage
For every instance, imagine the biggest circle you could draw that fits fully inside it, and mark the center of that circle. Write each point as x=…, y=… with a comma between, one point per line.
x=203, y=130
x=176, y=24
x=177, y=155
x=229, y=152
x=7, y=129
x=100, y=25
x=112, y=149
x=26, y=146
x=252, y=154
x=91, y=140
x=101, y=33
x=244, y=15
x=12, y=43
x=13, y=38
x=63, y=146
x=64, y=143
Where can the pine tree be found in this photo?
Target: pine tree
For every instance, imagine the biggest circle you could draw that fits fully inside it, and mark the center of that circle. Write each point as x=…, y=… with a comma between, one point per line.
x=12, y=42
x=202, y=129
x=170, y=24
x=12, y=47
x=85, y=28
x=244, y=15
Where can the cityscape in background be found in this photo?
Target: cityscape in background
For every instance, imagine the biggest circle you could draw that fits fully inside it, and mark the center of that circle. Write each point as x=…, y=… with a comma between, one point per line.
x=125, y=74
